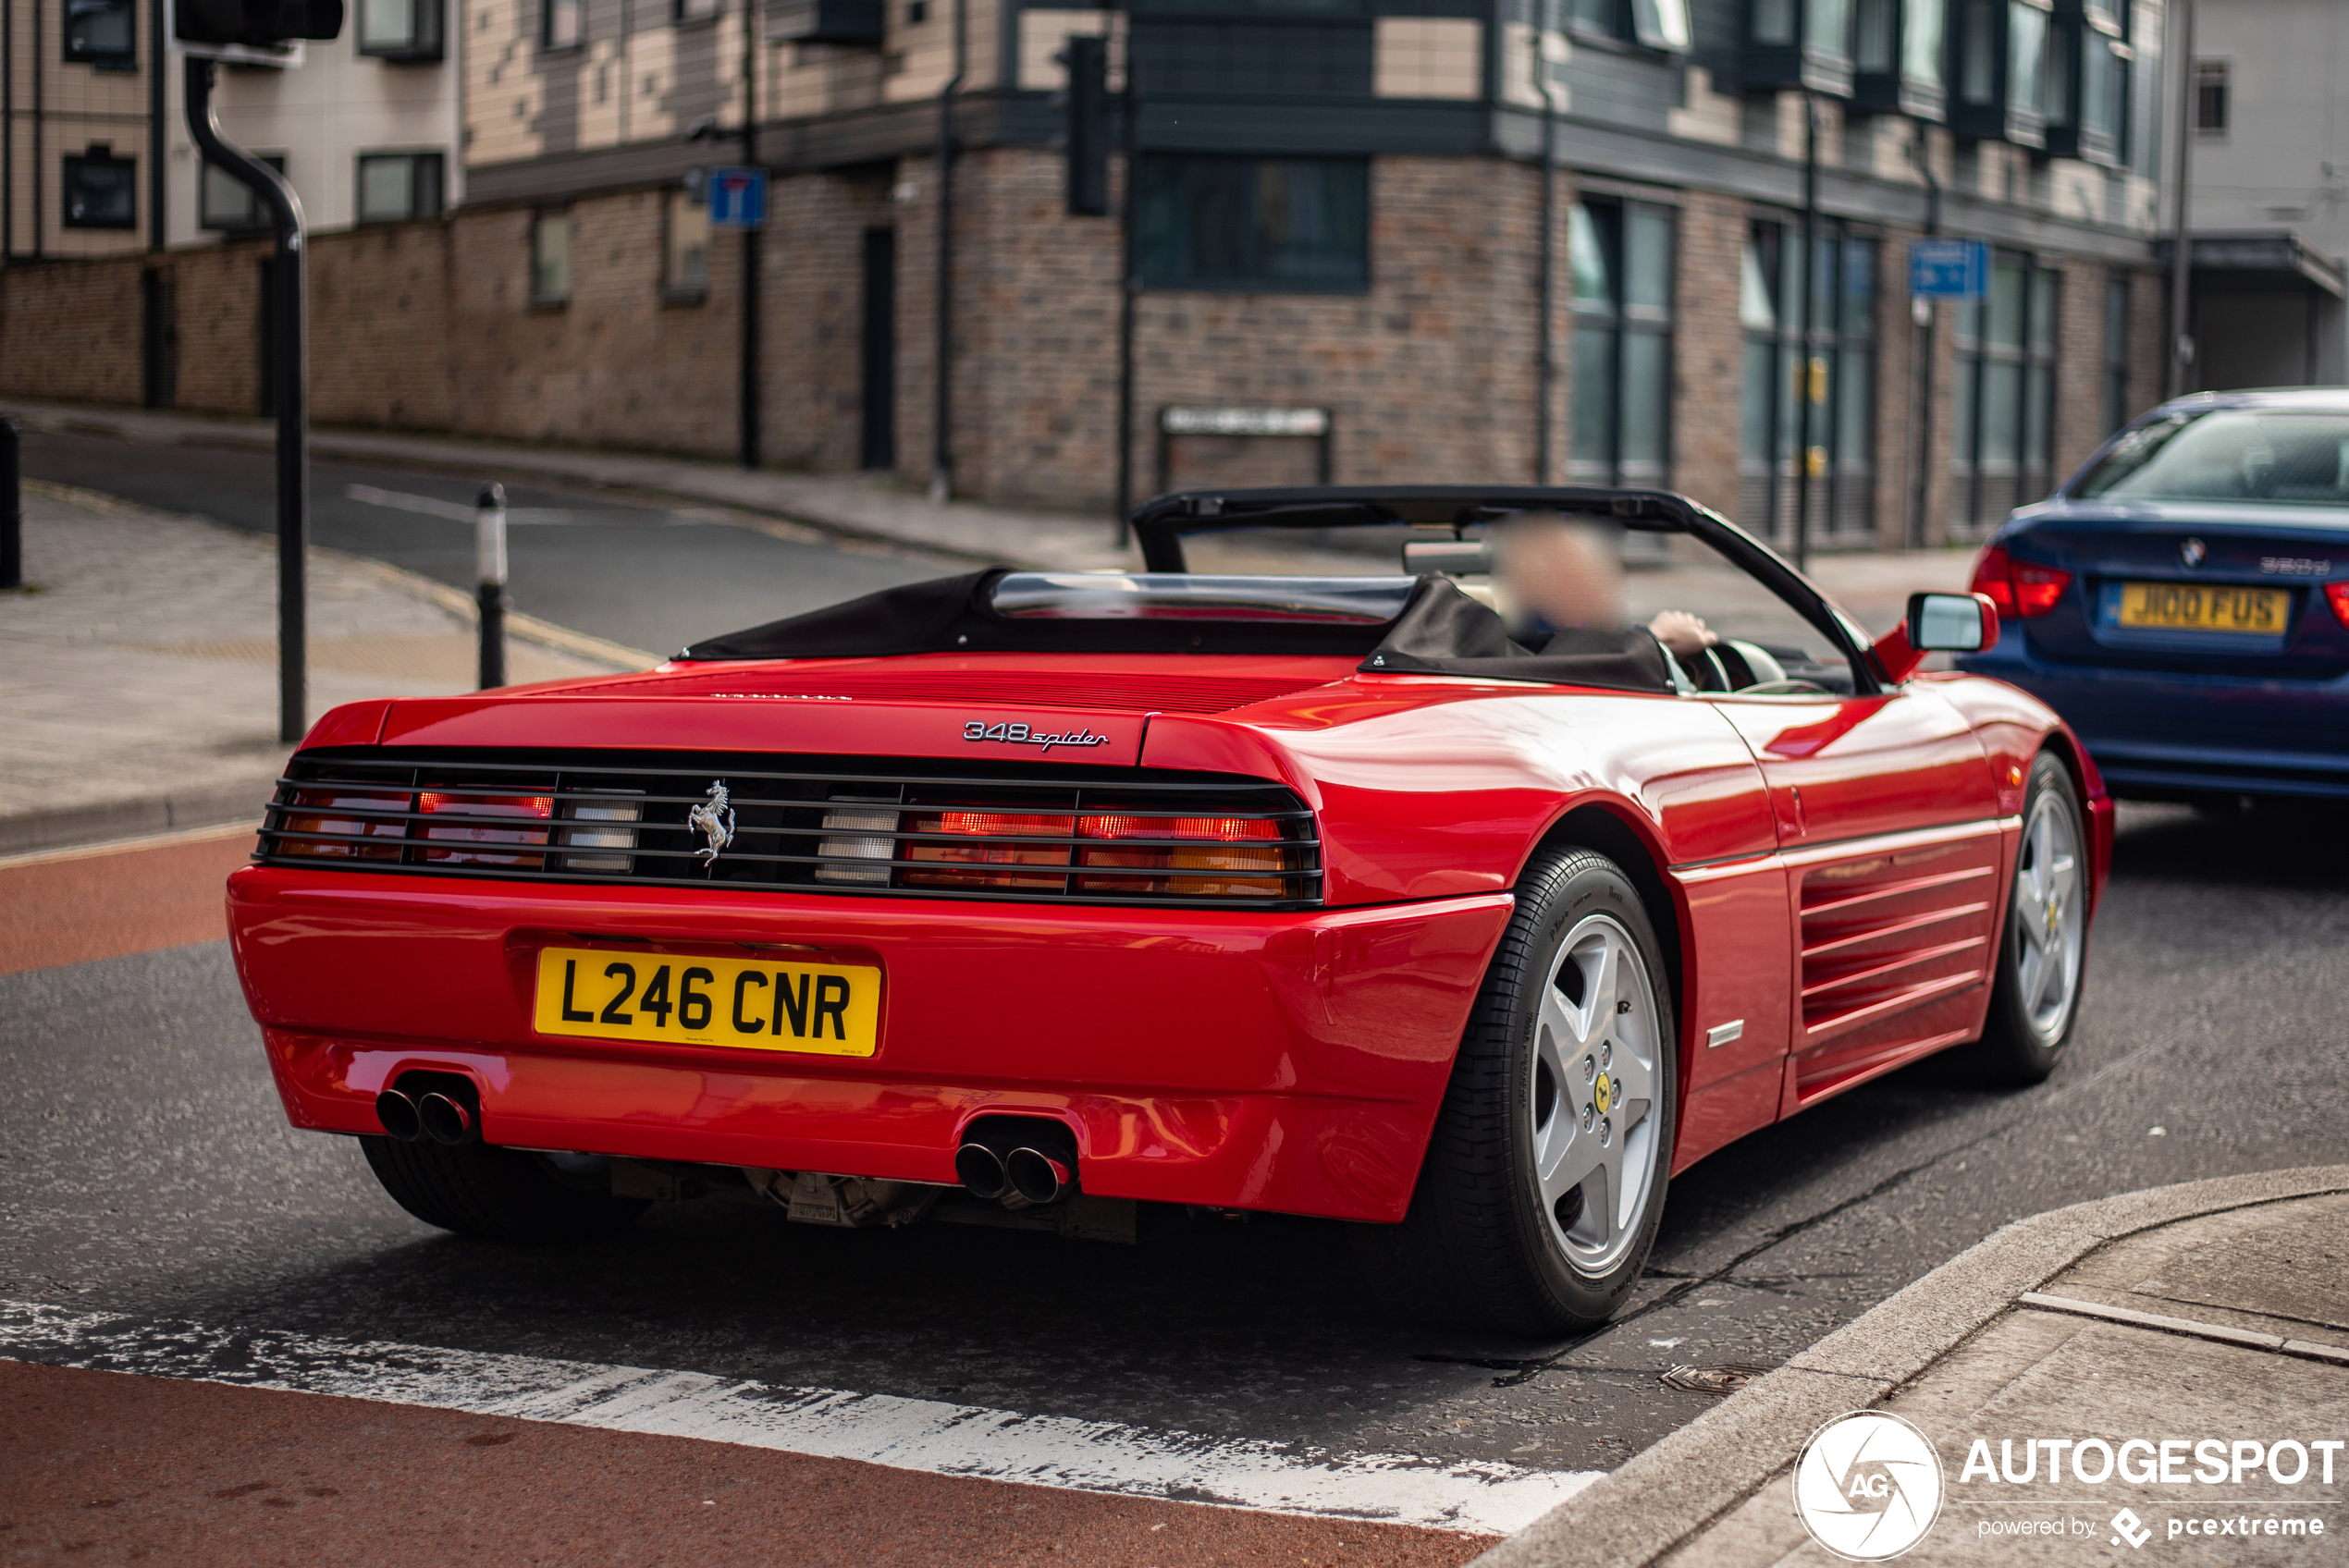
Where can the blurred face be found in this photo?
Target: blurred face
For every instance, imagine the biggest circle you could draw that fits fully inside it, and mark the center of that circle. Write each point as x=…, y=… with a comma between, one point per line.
x=1569, y=573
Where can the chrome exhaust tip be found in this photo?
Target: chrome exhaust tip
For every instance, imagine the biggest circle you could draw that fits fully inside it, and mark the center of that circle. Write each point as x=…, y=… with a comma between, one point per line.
x=981, y=1171
x=444, y=1120
x=398, y=1113
x=1039, y=1177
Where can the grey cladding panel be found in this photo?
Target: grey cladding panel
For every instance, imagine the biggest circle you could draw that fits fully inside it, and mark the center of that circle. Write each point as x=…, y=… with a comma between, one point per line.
x=1252, y=59
x=1622, y=89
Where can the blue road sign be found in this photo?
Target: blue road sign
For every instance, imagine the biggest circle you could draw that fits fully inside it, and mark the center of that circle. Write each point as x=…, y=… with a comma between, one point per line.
x=1948, y=269
x=737, y=198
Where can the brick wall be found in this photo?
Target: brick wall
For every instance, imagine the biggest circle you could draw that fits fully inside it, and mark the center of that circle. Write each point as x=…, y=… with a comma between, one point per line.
x=218, y=299
x=616, y=365
x=1709, y=352
x=1429, y=374
x=2079, y=370
x=72, y=330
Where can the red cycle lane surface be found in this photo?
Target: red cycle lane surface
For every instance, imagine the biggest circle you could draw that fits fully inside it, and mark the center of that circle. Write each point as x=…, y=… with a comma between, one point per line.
x=104, y=1467
x=71, y=906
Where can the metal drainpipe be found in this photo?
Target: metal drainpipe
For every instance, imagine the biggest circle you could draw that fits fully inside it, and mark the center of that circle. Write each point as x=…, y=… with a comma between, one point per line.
x=1810, y=293
x=158, y=108
x=39, y=153
x=1920, y=481
x=2181, y=241
x=941, y=460
x=1128, y=284
x=1545, y=369
x=7, y=131
x=749, y=434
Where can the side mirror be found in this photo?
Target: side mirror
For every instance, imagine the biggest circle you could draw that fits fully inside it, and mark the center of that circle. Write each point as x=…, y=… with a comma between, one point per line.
x=1937, y=623
x=1951, y=623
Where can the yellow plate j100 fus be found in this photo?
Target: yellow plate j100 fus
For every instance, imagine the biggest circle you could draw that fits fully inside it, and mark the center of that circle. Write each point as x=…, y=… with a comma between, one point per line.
x=760, y=1004
x=2197, y=606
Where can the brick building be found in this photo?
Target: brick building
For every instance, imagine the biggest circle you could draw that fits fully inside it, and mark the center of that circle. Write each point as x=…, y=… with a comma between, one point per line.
x=1339, y=211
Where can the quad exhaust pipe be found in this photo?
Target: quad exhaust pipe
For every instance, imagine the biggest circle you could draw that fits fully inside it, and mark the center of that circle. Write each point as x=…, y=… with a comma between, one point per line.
x=1018, y=1162
x=434, y=1116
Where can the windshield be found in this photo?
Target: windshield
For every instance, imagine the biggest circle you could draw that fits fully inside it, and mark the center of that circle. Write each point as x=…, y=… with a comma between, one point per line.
x=1159, y=596
x=2230, y=455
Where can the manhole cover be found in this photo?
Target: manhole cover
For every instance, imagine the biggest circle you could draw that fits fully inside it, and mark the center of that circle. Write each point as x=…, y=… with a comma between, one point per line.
x=1724, y=1380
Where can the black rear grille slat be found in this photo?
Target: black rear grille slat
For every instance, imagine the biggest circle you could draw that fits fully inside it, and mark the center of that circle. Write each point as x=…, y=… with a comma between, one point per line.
x=779, y=832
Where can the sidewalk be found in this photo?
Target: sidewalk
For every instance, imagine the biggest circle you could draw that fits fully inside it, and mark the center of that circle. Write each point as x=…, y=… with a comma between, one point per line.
x=1874, y=585
x=2213, y=1312
x=138, y=678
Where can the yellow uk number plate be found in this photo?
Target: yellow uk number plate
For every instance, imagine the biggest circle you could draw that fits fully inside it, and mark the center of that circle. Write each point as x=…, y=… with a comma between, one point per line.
x=2194, y=607
x=827, y=1008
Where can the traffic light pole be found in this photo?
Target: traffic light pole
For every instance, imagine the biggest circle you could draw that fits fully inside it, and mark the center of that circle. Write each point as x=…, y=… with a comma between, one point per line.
x=289, y=370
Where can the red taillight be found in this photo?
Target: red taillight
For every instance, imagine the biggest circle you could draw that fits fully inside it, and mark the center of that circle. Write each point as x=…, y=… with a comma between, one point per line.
x=1226, y=844
x=2337, y=595
x=1195, y=856
x=1992, y=579
x=466, y=827
x=984, y=825
x=2018, y=588
x=326, y=819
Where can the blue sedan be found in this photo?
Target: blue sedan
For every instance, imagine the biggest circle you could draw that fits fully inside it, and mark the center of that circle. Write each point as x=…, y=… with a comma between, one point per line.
x=2183, y=599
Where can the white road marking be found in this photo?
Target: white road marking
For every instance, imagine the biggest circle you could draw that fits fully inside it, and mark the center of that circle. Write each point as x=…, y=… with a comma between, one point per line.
x=457, y=511
x=908, y=1434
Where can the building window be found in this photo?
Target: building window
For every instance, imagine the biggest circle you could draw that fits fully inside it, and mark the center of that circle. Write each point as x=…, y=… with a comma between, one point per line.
x=551, y=259
x=2211, y=103
x=563, y=23
x=1297, y=225
x=2086, y=91
x=2116, y=352
x=684, y=273
x=100, y=190
x=1805, y=44
x=225, y=202
x=401, y=30
x=1620, y=257
x=695, y=10
x=2001, y=59
x=395, y=187
x=103, y=33
x=2002, y=416
x=1836, y=375
x=1895, y=57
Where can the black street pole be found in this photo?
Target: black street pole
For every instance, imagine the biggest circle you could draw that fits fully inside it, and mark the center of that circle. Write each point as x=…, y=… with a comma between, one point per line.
x=1129, y=286
x=1924, y=338
x=2181, y=237
x=290, y=376
x=750, y=240
x=1808, y=374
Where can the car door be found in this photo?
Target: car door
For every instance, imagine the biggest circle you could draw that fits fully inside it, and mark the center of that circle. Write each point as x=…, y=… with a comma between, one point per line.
x=1895, y=853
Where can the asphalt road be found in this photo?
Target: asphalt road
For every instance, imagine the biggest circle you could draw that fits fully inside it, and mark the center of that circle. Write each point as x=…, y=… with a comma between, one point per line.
x=650, y=578
x=145, y=1167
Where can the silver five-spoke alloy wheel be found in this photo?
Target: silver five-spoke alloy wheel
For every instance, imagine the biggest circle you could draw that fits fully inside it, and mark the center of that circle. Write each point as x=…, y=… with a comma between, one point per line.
x=1594, y=1088
x=2050, y=916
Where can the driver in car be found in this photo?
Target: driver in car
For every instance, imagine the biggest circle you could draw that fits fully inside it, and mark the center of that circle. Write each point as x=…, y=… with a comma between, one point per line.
x=1566, y=574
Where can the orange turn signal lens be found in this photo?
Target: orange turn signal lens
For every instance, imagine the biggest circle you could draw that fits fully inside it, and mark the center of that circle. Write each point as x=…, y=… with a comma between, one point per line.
x=323, y=810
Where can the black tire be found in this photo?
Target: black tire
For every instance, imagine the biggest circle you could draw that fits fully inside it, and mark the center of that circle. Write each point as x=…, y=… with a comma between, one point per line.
x=2022, y=1043
x=1479, y=1249
x=501, y=1195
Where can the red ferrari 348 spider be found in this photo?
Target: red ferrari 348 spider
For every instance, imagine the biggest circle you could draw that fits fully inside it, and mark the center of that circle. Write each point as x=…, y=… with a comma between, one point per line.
x=1024, y=898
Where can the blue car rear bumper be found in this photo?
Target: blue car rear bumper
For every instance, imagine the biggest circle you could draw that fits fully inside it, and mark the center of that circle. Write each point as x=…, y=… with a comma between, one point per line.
x=2157, y=735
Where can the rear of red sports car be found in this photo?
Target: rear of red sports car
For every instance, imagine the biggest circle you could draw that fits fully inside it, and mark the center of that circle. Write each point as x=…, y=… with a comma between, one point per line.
x=833, y=916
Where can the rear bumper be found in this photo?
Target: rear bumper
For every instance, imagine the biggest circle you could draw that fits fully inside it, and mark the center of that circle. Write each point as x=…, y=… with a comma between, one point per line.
x=2156, y=736
x=1249, y=1060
